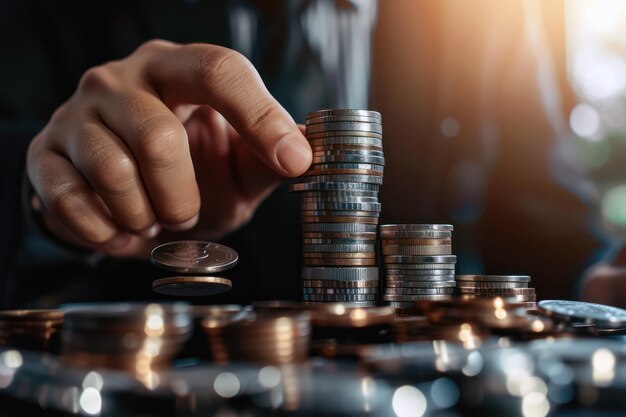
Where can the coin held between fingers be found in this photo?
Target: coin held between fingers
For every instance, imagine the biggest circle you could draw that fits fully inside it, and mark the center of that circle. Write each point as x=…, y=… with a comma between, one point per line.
x=294, y=155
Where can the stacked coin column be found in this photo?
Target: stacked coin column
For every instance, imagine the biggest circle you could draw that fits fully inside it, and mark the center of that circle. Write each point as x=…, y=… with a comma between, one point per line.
x=510, y=287
x=339, y=206
x=418, y=263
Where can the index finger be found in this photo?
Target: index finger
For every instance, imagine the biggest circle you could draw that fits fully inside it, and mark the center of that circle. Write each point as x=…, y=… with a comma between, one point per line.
x=227, y=81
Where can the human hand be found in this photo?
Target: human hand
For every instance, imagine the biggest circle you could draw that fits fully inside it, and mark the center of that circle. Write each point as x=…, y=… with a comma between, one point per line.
x=172, y=136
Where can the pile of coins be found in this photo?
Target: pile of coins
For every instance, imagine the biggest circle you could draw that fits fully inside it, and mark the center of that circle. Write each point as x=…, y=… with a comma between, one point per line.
x=194, y=261
x=339, y=205
x=29, y=329
x=264, y=337
x=418, y=262
x=513, y=287
x=127, y=336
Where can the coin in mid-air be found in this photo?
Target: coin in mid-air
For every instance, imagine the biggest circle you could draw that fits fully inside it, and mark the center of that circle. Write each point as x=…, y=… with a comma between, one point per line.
x=194, y=257
x=190, y=286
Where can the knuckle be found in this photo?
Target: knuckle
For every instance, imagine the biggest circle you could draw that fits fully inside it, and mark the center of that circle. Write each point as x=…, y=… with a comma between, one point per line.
x=181, y=211
x=262, y=115
x=97, y=79
x=159, y=144
x=67, y=201
x=221, y=66
x=154, y=45
x=112, y=172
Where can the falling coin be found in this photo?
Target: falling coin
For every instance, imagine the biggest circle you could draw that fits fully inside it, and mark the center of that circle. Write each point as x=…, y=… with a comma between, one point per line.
x=190, y=286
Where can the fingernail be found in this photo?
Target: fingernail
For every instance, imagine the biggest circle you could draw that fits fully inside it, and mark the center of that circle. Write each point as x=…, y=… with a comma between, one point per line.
x=293, y=154
x=151, y=231
x=119, y=241
x=178, y=227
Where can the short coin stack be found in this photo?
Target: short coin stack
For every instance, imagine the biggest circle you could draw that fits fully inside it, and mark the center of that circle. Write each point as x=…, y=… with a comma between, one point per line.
x=418, y=263
x=339, y=206
x=29, y=329
x=195, y=261
x=513, y=287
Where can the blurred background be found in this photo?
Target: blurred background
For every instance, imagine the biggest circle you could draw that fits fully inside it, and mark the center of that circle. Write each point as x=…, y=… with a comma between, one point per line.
x=504, y=118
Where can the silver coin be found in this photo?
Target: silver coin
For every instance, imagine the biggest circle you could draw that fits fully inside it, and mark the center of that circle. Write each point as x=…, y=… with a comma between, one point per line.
x=417, y=227
x=344, y=118
x=418, y=291
x=194, y=257
x=339, y=291
x=331, y=241
x=347, y=165
x=343, y=178
x=603, y=316
x=407, y=234
x=350, y=152
x=328, y=283
x=400, y=281
x=478, y=285
x=393, y=272
x=416, y=250
x=420, y=284
x=429, y=267
x=339, y=213
x=401, y=259
x=493, y=278
x=339, y=248
x=339, y=297
x=414, y=297
x=355, y=159
x=317, y=200
x=341, y=206
x=344, y=112
x=346, y=140
x=411, y=303
x=349, y=126
x=340, y=274
x=189, y=286
x=339, y=194
x=333, y=185
x=338, y=227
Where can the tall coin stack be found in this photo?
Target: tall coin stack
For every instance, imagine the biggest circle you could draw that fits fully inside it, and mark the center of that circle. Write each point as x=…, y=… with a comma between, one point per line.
x=514, y=287
x=339, y=206
x=418, y=263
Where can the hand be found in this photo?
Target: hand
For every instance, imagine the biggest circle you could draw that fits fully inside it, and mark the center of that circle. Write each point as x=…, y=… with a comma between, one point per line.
x=171, y=136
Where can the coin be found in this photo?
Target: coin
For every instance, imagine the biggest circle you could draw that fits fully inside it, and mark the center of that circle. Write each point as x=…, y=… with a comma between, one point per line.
x=336, y=255
x=343, y=178
x=603, y=316
x=479, y=285
x=415, y=297
x=342, y=206
x=351, y=126
x=400, y=259
x=391, y=271
x=343, y=112
x=325, y=283
x=330, y=241
x=347, y=140
x=343, y=133
x=338, y=235
x=339, y=298
x=418, y=291
x=338, y=227
x=189, y=286
x=415, y=242
x=337, y=185
x=493, y=278
x=420, y=284
x=338, y=194
x=431, y=266
x=338, y=248
x=194, y=257
x=343, y=118
x=326, y=157
x=418, y=234
x=339, y=219
x=339, y=262
x=339, y=213
x=340, y=274
x=398, y=280
x=416, y=227
x=414, y=250
x=339, y=291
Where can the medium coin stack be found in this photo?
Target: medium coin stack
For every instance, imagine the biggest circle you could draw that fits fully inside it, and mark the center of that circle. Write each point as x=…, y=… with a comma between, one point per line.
x=513, y=287
x=339, y=206
x=29, y=329
x=418, y=263
x=125, y=336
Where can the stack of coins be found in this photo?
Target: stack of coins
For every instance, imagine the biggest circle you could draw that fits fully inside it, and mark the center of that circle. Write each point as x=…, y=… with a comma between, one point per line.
x=339, y=204
x=127, y=336
x=513, y=287
x=418, y=263
x=29, y=329
x=265, y=337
